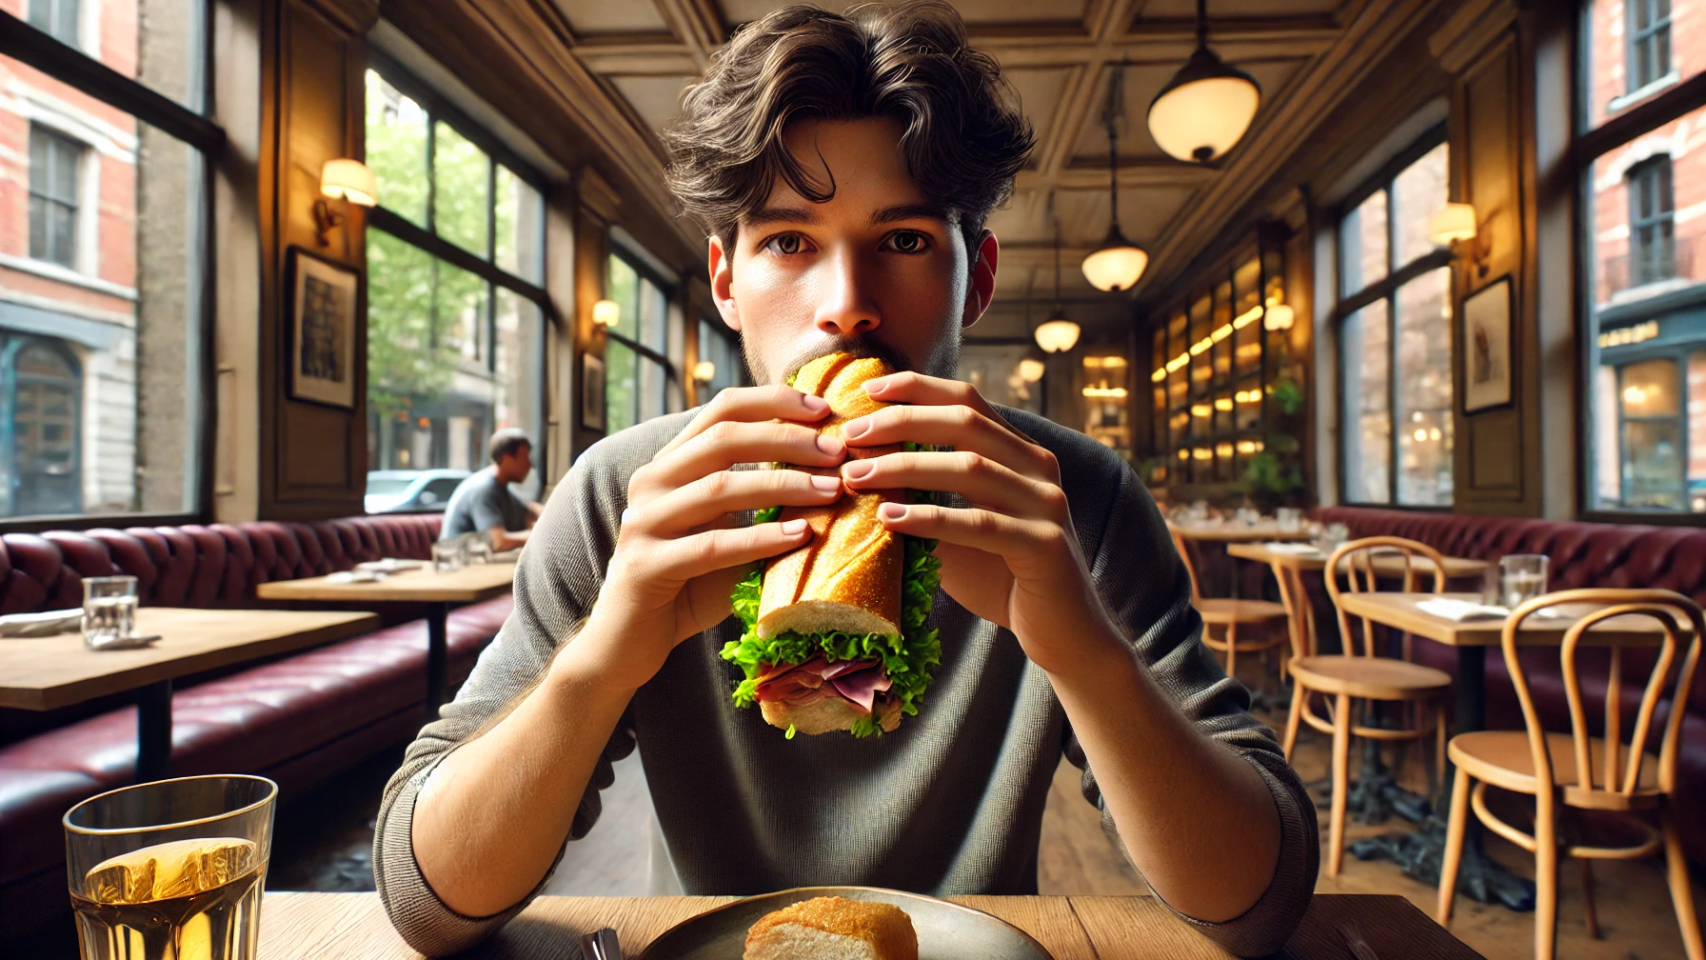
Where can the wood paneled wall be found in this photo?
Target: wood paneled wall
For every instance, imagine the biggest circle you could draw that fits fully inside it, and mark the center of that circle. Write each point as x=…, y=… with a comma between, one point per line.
x=313, y=458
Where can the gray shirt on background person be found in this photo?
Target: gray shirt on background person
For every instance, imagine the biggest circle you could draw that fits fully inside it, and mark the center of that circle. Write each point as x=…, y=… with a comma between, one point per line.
x=950, y=803
x=481, y=503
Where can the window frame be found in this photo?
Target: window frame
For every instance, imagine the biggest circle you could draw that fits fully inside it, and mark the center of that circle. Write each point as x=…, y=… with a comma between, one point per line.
x=440, y=109
x=1588, y=144
x=1660, y=169
x=69, y=64
x=74, y=206
x=645, y=272
x=1634, y=37
x=1386, y=288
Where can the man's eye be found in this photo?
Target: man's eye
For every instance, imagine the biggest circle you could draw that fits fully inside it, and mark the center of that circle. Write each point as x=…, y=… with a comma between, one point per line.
x=786, y=244
x=908, y=241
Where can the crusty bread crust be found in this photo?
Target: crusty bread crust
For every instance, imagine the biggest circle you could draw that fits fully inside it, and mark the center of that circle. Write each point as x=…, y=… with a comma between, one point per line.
x=886, y=927
x=848, y=577
x=828, y=715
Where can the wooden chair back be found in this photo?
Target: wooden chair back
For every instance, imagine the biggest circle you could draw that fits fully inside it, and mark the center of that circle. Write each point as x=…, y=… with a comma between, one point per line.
x=1676, y=615
x=1190, y=561
x=1357, y=558
x=1300, y=613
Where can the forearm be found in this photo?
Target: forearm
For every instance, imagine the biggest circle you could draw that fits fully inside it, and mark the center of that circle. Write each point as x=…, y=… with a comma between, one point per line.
x=508, y=539
x=494, y=813
x=1198, y=820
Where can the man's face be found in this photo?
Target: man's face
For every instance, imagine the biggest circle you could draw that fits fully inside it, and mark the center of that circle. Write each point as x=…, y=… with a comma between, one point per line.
x=515, y=467
x=879, y=268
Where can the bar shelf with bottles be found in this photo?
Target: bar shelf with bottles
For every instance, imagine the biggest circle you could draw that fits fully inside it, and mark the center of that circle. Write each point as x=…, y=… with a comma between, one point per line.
x=1212, y=376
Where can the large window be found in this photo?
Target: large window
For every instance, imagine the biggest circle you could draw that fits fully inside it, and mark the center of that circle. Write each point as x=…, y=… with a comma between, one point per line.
x=723, y=350
x=1642, y=184
x=102, y=258
x=1395, y=336
x=455, y=314
x=637, y=369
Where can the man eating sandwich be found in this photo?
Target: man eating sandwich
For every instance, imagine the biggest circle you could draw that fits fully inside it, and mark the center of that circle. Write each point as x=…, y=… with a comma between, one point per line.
x=843, y=167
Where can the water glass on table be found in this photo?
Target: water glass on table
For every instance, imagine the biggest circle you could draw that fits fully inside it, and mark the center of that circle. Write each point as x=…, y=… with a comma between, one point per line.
x=1288, y=519
x=171, y=869
x=109, y=610
x=1522, y=577
x=448, y=556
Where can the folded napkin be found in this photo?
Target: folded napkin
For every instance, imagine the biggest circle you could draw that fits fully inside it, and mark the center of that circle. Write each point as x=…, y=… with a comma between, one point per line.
x=1301, y=549
x=1459, y=610
x=47, y=623
x=356, y=576
x=391, y=565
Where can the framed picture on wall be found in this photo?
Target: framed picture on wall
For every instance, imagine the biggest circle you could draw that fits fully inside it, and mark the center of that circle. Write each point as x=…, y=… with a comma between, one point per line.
x=321, y=305
x=1486, y=339
x=592, y=392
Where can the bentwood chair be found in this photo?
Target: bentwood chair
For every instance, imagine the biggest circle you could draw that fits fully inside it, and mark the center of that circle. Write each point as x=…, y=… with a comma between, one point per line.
x=1579, y=771
x=1255, y=617
x=1347, y=684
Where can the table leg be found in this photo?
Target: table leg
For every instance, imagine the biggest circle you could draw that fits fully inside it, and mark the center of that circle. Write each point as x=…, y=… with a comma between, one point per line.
x=438, y=657
x=1421, y=853
x=154, y=731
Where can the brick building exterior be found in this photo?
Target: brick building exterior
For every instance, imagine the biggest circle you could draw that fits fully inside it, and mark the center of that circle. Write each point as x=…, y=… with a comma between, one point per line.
x=1647, y=244
x=68, y=274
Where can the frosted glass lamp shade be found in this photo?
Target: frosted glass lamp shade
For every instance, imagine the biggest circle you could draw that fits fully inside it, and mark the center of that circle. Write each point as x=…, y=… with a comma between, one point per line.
x=1057, y=335
x=1031, y=369
x=1452, y=222
x=1116, y=265
x=1204, y=110
x=705, y=371
x=1279, y=317
x=345, y=179
x=605, y=313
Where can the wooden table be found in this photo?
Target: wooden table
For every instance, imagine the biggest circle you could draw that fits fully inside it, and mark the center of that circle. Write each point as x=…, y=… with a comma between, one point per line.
x=1386, y=565
x=1482, y=878
x=45, y=673
x=471, y=584
x=299, y=926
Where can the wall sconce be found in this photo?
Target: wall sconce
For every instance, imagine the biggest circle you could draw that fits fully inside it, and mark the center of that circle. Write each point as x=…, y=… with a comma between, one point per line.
x=346, y=180
x=1454, y=225
x=1279, y=316
x=605, y=313
x=705, y=371
x=1031, y=369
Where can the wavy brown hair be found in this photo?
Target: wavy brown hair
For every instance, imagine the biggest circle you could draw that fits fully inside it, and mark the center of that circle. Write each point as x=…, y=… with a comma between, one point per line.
x=964, y=138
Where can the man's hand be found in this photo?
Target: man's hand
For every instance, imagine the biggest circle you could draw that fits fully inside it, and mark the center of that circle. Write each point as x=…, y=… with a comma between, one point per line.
x=1013, y=557
x=679, y=553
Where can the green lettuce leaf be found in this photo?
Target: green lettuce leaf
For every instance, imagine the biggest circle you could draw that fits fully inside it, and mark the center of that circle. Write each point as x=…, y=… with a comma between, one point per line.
x=909, y=659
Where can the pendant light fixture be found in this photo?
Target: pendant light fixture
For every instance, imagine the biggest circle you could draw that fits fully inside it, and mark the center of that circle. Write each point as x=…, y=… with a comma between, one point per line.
x=1207, y=107
x=1057, y=334
x=1118, y=263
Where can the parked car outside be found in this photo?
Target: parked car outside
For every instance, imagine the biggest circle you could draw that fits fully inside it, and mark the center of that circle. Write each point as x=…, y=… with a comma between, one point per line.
x=411, y=491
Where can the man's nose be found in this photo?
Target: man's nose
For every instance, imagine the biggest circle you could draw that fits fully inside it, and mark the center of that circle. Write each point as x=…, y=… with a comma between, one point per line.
x=846, y=308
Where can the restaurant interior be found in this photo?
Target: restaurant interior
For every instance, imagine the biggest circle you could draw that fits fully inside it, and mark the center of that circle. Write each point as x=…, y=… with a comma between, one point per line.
x=1380, y=299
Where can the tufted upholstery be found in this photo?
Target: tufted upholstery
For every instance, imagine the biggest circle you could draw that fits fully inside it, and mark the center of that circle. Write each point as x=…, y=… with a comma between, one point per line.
x=298, y=719
x=1582, y=555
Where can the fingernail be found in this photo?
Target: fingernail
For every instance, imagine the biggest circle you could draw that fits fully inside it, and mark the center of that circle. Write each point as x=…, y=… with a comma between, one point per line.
x=814, y=404
x=826, y=483
x=875, y=386
x=794, y=527
x=856, y=428
x=857, y=469
x=830, y=445
x=892, y=511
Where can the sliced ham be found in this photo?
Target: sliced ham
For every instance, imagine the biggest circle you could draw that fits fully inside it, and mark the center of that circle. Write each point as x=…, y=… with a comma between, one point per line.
x=859, y=681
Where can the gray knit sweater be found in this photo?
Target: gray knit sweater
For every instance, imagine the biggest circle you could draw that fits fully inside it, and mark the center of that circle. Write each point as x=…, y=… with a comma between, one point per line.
x=951, y=803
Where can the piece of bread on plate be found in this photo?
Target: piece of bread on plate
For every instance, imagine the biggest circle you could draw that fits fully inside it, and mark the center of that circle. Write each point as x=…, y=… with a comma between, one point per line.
x=833, y=928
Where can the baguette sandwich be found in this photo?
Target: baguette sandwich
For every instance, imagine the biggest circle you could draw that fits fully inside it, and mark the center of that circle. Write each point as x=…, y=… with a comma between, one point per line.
x=835, y=633
x=833, y=928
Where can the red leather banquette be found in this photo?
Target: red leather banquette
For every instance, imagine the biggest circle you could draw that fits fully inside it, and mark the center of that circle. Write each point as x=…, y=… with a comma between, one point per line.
x=1582, y=555
x=297, y=719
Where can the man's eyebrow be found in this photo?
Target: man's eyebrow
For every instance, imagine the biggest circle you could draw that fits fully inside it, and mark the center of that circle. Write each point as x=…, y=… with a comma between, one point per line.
x=911, y=211
x=765, y=215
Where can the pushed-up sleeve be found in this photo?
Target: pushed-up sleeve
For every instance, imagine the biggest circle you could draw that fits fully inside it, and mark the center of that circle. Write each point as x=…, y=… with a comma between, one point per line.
x=556, y=582
x=1145, y=584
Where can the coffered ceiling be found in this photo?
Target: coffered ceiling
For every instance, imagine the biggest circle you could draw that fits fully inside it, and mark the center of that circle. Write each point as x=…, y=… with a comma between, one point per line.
x=1058, y=55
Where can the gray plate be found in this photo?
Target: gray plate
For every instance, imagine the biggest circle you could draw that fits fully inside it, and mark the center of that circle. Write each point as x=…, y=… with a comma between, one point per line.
x=946, y=931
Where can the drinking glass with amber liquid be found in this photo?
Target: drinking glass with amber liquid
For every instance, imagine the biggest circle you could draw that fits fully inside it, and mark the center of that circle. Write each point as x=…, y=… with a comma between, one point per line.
x=171, y=870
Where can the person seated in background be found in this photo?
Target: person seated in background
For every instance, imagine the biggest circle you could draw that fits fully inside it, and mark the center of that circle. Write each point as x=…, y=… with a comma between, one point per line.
x=483, y=504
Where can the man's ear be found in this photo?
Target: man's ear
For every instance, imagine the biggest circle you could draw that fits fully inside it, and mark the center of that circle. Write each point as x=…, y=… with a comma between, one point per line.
x=722, y=266
x=981, y=290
